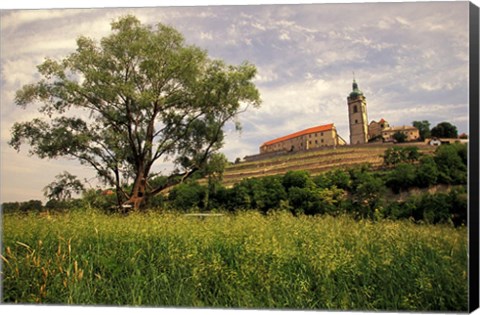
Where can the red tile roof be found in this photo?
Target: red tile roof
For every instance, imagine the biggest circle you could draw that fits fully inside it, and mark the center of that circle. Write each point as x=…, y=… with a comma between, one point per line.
x=300, y=133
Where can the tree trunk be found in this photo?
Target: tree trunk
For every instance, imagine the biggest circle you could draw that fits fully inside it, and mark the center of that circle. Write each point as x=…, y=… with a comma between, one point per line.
x=137, y=197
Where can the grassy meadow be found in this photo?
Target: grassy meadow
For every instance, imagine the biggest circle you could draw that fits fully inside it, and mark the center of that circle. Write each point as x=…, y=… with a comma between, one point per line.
x=243, y=260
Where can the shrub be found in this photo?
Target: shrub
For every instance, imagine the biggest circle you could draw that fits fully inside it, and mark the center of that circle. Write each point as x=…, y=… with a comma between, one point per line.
x=427, y=172
x=92, y=198
x=337, y=177
x=31, y=206
x=458, y=199
x=10, y=207
x=63, y=205
x=436, y=208
x=300, y=179
x=402, y=177
x=452, y=167
x=399, y=136
x=397, y=155
x=240, y=196
x=186, y=196
x=269, y=193
x=366, y=194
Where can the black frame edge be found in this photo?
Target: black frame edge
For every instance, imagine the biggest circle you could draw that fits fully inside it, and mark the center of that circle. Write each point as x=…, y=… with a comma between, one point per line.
x=473, y=187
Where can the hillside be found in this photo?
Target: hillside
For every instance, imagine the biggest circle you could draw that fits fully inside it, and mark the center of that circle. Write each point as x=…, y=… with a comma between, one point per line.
x=313, y=161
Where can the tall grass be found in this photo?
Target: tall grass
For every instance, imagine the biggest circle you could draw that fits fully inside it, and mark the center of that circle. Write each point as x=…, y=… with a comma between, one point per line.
x=244, y=261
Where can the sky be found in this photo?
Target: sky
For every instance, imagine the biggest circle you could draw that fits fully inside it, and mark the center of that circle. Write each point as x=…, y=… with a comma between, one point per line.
x=410, y=59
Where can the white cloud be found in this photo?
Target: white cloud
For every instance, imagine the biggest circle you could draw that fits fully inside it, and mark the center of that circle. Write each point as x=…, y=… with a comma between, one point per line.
x=206, y=35
x=284, y=36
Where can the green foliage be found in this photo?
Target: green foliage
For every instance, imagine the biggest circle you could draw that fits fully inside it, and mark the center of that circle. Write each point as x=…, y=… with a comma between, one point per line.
x=337, y=177
x=452, y=163
x=62, y=189
x=427, y=172
x=186, y=196
x=444, y=130
x=367, y=193
x=22, y=207
x=396, y=155
x=399, y=137
x=267, y=193
x=64, y=205
x=423, y=129
x=402, y=177
x=94, y=199
x=300, y=179
x=445, y=208
x=458, y=198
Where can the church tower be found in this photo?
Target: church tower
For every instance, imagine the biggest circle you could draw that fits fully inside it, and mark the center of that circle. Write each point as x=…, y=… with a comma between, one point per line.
x=357, y=116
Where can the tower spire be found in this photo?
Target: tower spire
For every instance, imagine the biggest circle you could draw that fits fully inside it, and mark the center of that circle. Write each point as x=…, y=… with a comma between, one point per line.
x=355, y=90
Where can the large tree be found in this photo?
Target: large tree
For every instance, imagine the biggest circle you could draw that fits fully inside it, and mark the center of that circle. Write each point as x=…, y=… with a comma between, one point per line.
x=444, y=130
x=139, y=96
x=423, y=128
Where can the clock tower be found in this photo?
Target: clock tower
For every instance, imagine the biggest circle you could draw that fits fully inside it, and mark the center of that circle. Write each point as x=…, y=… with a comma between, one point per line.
x=357, y=116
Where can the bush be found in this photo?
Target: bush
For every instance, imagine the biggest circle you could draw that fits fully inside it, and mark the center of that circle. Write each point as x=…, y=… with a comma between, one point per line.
x=366, y=193
x=268, y=193
x=10, y=207
x=427, y=172
x=31, y=206
x=63, y=205
x=337, y=177
x=186, y=196
x=449, y=208
x=300, y=179
x=95, y=199
x=396, y=155
x=240, y=196
x=399, y=136
x=156, y=202
x=451, y=163
x=401, y=178
x=458, y=199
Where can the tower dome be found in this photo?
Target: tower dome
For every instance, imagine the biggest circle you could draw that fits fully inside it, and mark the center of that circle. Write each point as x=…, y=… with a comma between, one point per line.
x=355, y=90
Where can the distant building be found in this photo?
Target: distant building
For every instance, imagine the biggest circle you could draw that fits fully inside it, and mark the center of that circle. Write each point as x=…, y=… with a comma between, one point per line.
x=375, y=128
x=382, y=131
x=411, y=133
x=311, y=138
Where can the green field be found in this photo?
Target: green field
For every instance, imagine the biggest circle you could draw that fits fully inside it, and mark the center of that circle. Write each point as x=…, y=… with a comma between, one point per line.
x=246, y=260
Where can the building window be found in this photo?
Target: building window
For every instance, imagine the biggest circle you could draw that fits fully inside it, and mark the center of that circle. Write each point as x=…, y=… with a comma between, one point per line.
x=321, y=134
x=356, y=121
x=322, y=140
x=316, y=141
x=355, y=109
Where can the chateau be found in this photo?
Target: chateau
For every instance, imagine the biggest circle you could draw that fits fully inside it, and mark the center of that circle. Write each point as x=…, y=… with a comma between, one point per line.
x=311, y=138
x=326, y=135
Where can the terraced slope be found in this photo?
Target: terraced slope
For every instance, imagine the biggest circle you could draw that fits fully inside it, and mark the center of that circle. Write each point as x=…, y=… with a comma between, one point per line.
x=314, y=162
